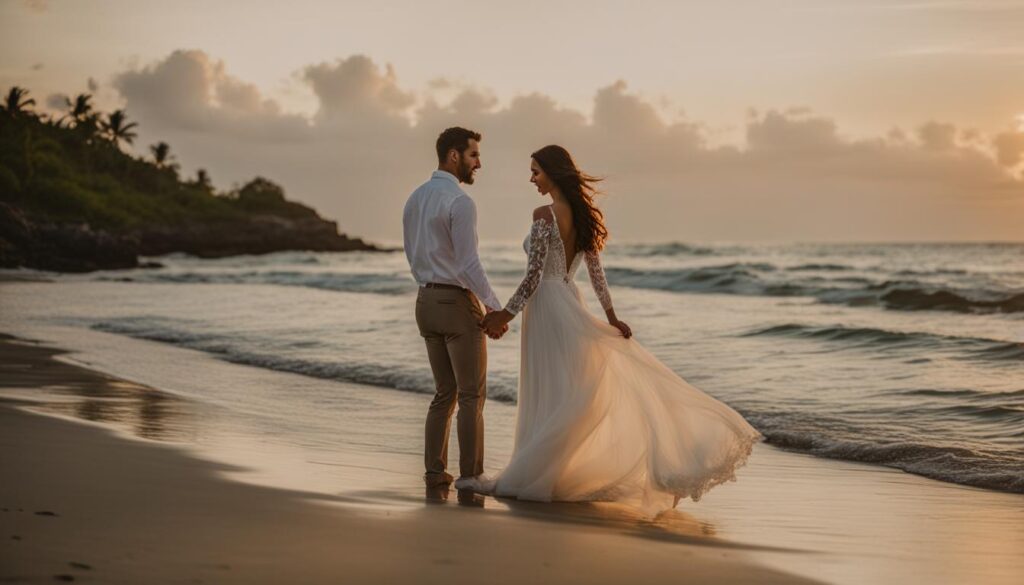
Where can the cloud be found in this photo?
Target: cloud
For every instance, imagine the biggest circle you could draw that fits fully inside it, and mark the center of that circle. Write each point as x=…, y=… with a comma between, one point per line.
x=937, y=136
x=1009, y=148
x=353, y=88
x=792, y=134
x=57, y=101
x=179, y=88
x=440, y=83
x=617, y=111
x=370, y=142
x=189, y=91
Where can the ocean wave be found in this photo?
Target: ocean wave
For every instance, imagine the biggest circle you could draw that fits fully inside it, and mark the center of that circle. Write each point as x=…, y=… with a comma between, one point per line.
x=819, y=267
x=667, y=249
x=285, y=258
x=935, y=272
x=953, y=464
x=734, y=278
x=377, y=283
x=766, y=279
x=964, y=393
x=839, y=332
x=996, y=412
x=1003, y=351
x=238, y=349
x=916, y=299
x=971, y=347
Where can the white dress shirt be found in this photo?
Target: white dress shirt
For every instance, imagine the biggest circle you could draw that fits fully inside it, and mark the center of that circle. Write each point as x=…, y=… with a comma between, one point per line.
x=439, y=228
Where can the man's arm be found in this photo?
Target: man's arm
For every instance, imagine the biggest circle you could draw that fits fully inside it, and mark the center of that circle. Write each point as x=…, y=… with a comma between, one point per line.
x=407, y=220
x=467, y=260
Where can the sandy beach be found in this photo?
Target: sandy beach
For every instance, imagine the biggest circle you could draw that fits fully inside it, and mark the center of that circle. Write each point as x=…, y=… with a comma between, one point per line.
x=82, y=503
x=106, y=491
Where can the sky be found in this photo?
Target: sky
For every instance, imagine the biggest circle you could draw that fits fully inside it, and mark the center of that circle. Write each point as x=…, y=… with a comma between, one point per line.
x=817, y=120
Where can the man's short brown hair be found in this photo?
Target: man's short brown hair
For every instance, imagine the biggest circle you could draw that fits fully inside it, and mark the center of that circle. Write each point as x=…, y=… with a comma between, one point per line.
x=454, y=137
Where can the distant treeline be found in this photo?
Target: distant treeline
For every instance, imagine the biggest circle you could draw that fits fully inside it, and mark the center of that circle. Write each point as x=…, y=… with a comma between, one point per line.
x=72, y=167
x=65, y=169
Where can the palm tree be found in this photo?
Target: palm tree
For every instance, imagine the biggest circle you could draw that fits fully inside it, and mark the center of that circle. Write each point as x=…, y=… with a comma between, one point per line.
x=81, y=117
x=203, y=180
x=118, y=128
x=161, y=153
x=15, y=102
x=80, y=109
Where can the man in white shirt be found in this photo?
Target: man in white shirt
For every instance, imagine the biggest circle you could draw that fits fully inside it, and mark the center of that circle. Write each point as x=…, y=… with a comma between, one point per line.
x=439, y=227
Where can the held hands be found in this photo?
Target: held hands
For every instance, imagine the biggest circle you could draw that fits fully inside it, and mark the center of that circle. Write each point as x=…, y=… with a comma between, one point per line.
x=495, y=323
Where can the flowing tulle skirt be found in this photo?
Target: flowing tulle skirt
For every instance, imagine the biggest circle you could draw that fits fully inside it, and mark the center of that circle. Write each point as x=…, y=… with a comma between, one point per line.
x=600, y=418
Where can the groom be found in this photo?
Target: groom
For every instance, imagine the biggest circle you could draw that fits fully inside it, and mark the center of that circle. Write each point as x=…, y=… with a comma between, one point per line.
x=439, y=227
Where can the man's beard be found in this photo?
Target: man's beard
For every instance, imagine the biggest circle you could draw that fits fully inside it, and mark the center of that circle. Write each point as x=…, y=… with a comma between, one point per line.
x=466, y=174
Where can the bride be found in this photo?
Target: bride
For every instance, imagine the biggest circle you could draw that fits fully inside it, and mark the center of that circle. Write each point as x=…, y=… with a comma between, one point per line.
x=600, y=418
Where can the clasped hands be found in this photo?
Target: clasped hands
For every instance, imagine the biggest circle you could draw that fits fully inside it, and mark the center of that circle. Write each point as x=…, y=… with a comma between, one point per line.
x=495, y=323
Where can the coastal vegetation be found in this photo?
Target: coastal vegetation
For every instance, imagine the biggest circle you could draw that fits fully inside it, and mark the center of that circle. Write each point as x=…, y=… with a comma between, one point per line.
x=72, y=198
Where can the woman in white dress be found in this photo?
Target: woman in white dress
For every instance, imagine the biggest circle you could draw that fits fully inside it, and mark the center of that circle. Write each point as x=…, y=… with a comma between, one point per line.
x=599, y=417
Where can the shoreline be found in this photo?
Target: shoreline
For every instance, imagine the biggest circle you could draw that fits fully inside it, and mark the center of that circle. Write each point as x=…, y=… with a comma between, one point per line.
x=802, y=516
x=110, y=509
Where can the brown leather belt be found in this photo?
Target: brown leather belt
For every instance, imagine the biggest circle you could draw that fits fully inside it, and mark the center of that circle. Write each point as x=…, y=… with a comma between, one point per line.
x=443, y=285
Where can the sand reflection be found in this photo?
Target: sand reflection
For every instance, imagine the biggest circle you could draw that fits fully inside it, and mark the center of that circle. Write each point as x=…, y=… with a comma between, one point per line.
x=60, y=388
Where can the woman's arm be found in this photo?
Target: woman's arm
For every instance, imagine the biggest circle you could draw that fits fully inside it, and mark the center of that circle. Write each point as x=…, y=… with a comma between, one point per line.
x=600, y=284
x=540, y=237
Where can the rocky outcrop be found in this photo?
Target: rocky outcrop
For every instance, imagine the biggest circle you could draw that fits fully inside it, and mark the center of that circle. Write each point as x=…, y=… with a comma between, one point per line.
x=66, y=247
x=259, y=234
x=77, y=247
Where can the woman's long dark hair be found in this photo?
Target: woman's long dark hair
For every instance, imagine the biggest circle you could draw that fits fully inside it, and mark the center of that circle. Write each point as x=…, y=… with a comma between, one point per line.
x=578, y=189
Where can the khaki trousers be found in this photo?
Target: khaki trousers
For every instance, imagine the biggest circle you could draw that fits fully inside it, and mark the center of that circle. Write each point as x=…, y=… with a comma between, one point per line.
x=448, y=320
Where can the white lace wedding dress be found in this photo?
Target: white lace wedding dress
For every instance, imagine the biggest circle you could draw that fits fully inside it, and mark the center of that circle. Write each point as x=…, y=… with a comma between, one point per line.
x=600, y=418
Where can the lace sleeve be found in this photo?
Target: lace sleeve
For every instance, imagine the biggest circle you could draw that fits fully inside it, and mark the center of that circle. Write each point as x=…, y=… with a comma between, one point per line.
x=597, y=279
x=540, y=237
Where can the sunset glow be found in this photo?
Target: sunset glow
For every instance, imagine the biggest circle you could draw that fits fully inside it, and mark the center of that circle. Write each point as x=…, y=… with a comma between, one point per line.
x=316, y=99
x=512, y=291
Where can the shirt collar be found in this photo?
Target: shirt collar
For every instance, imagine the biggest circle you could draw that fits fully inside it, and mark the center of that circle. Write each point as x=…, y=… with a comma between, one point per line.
x=439, y=174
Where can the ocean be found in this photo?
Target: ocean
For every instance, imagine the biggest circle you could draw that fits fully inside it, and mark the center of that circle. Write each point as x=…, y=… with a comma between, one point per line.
x=909, y=356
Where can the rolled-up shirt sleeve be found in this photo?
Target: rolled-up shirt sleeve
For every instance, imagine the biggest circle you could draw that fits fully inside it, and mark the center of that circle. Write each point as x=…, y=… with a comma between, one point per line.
x=467, y=260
